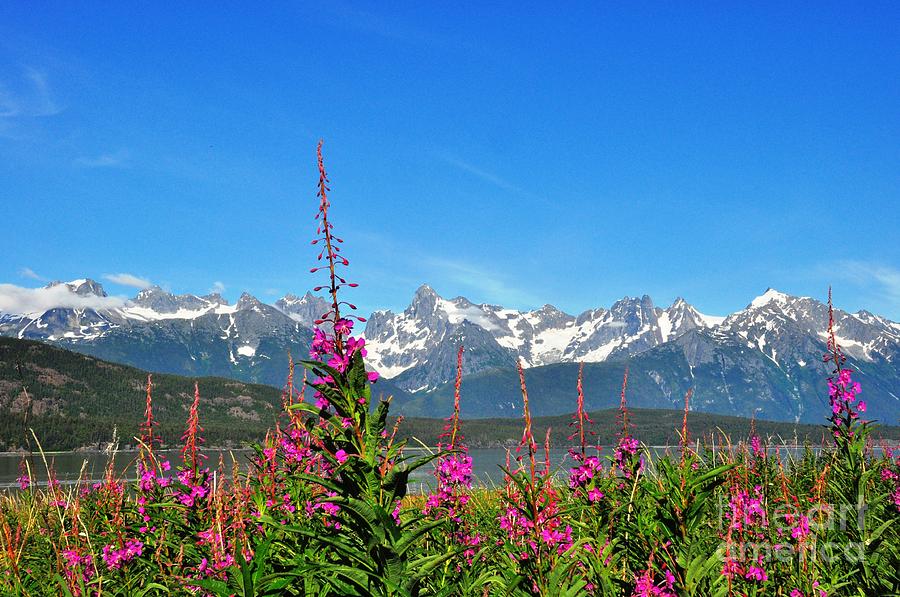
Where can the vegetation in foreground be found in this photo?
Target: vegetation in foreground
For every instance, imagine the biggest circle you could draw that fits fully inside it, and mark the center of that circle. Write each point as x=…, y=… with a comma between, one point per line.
x=325, y=510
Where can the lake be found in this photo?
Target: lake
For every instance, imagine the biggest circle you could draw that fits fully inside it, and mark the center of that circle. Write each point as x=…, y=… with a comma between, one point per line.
x=67, y=466
x=486, y=464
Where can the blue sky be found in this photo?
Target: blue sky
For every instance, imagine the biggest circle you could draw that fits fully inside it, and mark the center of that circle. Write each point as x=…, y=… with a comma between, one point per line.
x=513, y=154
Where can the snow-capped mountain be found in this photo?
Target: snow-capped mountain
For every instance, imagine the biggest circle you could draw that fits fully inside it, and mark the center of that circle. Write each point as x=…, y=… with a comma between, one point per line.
x=400, y=342
x=777, y=324
x=306, y=309
x=765, y=358
x=156, y=330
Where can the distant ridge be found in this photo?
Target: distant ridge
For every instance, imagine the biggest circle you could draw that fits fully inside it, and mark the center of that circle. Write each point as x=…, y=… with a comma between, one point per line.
x=764, y=359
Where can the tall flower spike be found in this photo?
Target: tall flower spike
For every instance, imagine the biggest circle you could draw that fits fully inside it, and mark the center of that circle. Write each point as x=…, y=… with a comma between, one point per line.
x=580, y=417
x=684, y=424
x=623, y=406
x=147, y=436
x=192, y=437
x=455, y=427
x=331, y=253
x=527, y=435
x=842, y=389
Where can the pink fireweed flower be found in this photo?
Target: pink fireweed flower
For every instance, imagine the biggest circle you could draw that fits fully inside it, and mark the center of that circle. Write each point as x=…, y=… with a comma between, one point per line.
x=79, y=568
x=801, y=529
x=343, y=326
x=756, y=446
x=756, y=573
x=24, y=480
x=645, y=587
x=192, y=487
x=357, y=345
x=338, y=362
x=732, y=568
x=747, y=511
x=582, y=474
x=321, y=344
x=594, y=495
x=115, y=558
x=341, y=456
x=330, y=509
x=331, y=254
x=627, y=457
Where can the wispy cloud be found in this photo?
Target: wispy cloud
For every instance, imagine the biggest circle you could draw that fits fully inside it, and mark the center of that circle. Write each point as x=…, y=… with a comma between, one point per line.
x=42, y=103
x=27, y=272
x=217, y=288
x=474, y=277
x=412, y=266
x=19, y=300
x=491, y=178
x=117, y=159
x=23, y=96
x=128, y=280
x=881, y=279
x=27, y=95
x=349, y=16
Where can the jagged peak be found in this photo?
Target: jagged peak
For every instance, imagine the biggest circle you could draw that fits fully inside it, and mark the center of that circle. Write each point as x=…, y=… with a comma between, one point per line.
x=643, y=301
x=292, y=299
x=150, y=290
x=769, y=296
x=247, y=301
x=81, y=287
x=215, y=298
x=425, y=300
x=425, y=291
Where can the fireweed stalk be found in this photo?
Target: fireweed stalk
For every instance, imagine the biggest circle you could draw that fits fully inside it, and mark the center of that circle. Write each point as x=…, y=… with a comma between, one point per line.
x=362, y=473
x=627, y=456
x=585, y=476
x=536, y=536
x=453, y=469
x=453, y=475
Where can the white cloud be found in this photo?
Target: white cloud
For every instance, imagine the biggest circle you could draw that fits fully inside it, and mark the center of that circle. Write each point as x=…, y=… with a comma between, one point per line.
x=217, y=288
x=128, y=280
x=107, y=160
x=27, y=272
x=19, y=300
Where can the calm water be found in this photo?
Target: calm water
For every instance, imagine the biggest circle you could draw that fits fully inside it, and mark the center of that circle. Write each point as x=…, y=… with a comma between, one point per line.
x=68, y=466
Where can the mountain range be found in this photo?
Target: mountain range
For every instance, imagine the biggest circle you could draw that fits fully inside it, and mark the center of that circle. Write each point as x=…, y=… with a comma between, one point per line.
x=764, y=360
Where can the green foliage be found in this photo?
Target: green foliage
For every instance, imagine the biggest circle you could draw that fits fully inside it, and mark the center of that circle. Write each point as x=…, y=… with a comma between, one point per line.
x=75, y=401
